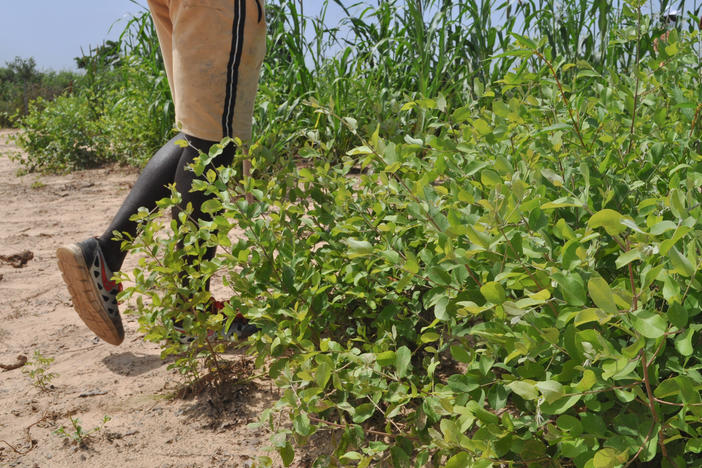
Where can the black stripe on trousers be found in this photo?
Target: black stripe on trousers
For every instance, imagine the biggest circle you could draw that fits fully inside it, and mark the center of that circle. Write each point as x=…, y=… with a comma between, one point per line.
x=233, y=66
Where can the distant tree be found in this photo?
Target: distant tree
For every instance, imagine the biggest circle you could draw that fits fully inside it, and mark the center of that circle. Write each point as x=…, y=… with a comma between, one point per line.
x=24, y=72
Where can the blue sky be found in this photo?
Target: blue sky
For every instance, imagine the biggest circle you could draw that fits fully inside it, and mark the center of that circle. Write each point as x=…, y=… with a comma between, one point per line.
x=53, y=31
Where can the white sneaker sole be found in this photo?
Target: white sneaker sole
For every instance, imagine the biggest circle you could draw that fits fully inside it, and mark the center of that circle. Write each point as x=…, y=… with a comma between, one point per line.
x=86, y=297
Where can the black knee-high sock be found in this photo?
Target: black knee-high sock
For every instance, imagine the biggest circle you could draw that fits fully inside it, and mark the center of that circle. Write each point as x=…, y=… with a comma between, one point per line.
x=184, y=176
x=184, y=179
x=150, y=187
x=168, y=165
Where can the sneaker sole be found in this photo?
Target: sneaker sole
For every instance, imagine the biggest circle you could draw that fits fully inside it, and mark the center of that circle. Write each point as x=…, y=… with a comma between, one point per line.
x=86, y=298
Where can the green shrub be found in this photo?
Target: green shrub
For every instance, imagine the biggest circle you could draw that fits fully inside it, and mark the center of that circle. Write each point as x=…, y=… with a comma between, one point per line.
x=21, y=82
x=121, y=109
x=516, y=285
x=62, y=135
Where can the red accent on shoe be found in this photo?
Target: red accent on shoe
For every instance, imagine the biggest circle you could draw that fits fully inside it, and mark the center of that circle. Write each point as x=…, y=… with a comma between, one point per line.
x=108, y=284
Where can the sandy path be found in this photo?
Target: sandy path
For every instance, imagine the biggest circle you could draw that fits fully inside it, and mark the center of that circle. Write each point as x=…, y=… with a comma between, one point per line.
x=129, y=383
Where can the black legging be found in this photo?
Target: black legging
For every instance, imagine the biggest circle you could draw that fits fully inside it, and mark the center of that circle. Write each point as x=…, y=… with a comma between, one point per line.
x=168, y=165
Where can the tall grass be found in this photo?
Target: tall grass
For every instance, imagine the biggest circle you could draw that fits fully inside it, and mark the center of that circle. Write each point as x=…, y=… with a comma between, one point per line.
x=404, y=50
x=381, y=55
x=139, y=41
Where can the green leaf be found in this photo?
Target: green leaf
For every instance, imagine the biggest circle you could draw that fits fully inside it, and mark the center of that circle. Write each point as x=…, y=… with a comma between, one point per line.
x=667, y=388
x=610, y=220
x=682, y=265
x=440, y=309
x=564, y=202
x=602, y=295
x=650, y=324
x=439, y=276
x=628, y=257
x=460, y=460
x=287, y=453
x=351, y=123
x=572, y=287
x=305, y=174
x=450, y=430
x=352, y=456
x=588, y=380
x=694, y=446
x=591, y=315
x=560, y=406
x=482, y=127
x=661, y=227
x=358, y=248
x=323, y=374
x=490, y=178
x=683, y=343
x=677, y=315
x=552, y=177
x=482, y=414
x=411, y=264
x=609, y=458
x=525, y=41
x=621, y=368
x=400, y=459
x=385, y=358
x=429, y=337
x=302, y=425
x=493, y=292
x=402, y=360
x=551, y=390
x=571, y=424
x=460, y=354
x=363, y=412
x=211, y=206
x=524, y=389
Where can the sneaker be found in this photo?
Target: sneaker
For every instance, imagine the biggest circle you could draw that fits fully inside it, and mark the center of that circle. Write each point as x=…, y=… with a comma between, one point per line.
x=92, y=289
x=240, y=328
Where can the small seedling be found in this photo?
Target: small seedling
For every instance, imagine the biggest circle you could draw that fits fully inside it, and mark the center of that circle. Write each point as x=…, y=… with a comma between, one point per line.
x=77, y=434
x=37, y=184
x=37, y=370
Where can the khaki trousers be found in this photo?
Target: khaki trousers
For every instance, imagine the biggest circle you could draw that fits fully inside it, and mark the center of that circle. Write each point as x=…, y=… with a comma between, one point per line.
x=212, y=50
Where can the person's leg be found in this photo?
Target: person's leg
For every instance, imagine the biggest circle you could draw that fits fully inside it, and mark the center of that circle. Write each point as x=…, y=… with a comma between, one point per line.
x=151, y=186
x=212, y=66
x=184, y=178
x=88, y=266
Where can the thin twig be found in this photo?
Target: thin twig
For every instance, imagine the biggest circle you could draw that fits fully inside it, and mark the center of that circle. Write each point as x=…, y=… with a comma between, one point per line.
x=368, y=431
x=576, y=124
x=635, y=302
x=636, y=90
x=652, y=406
x=638, y=452
x=694, y=120
x=14, y=449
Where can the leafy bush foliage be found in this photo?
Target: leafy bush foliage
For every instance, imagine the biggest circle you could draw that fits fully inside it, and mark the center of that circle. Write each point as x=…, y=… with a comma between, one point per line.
x=514, y=282
x=120, y=110
x=21, y=83
x=64, y=135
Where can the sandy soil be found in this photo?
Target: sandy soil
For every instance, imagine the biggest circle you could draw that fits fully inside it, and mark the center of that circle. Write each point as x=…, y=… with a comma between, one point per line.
x=129, y=383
